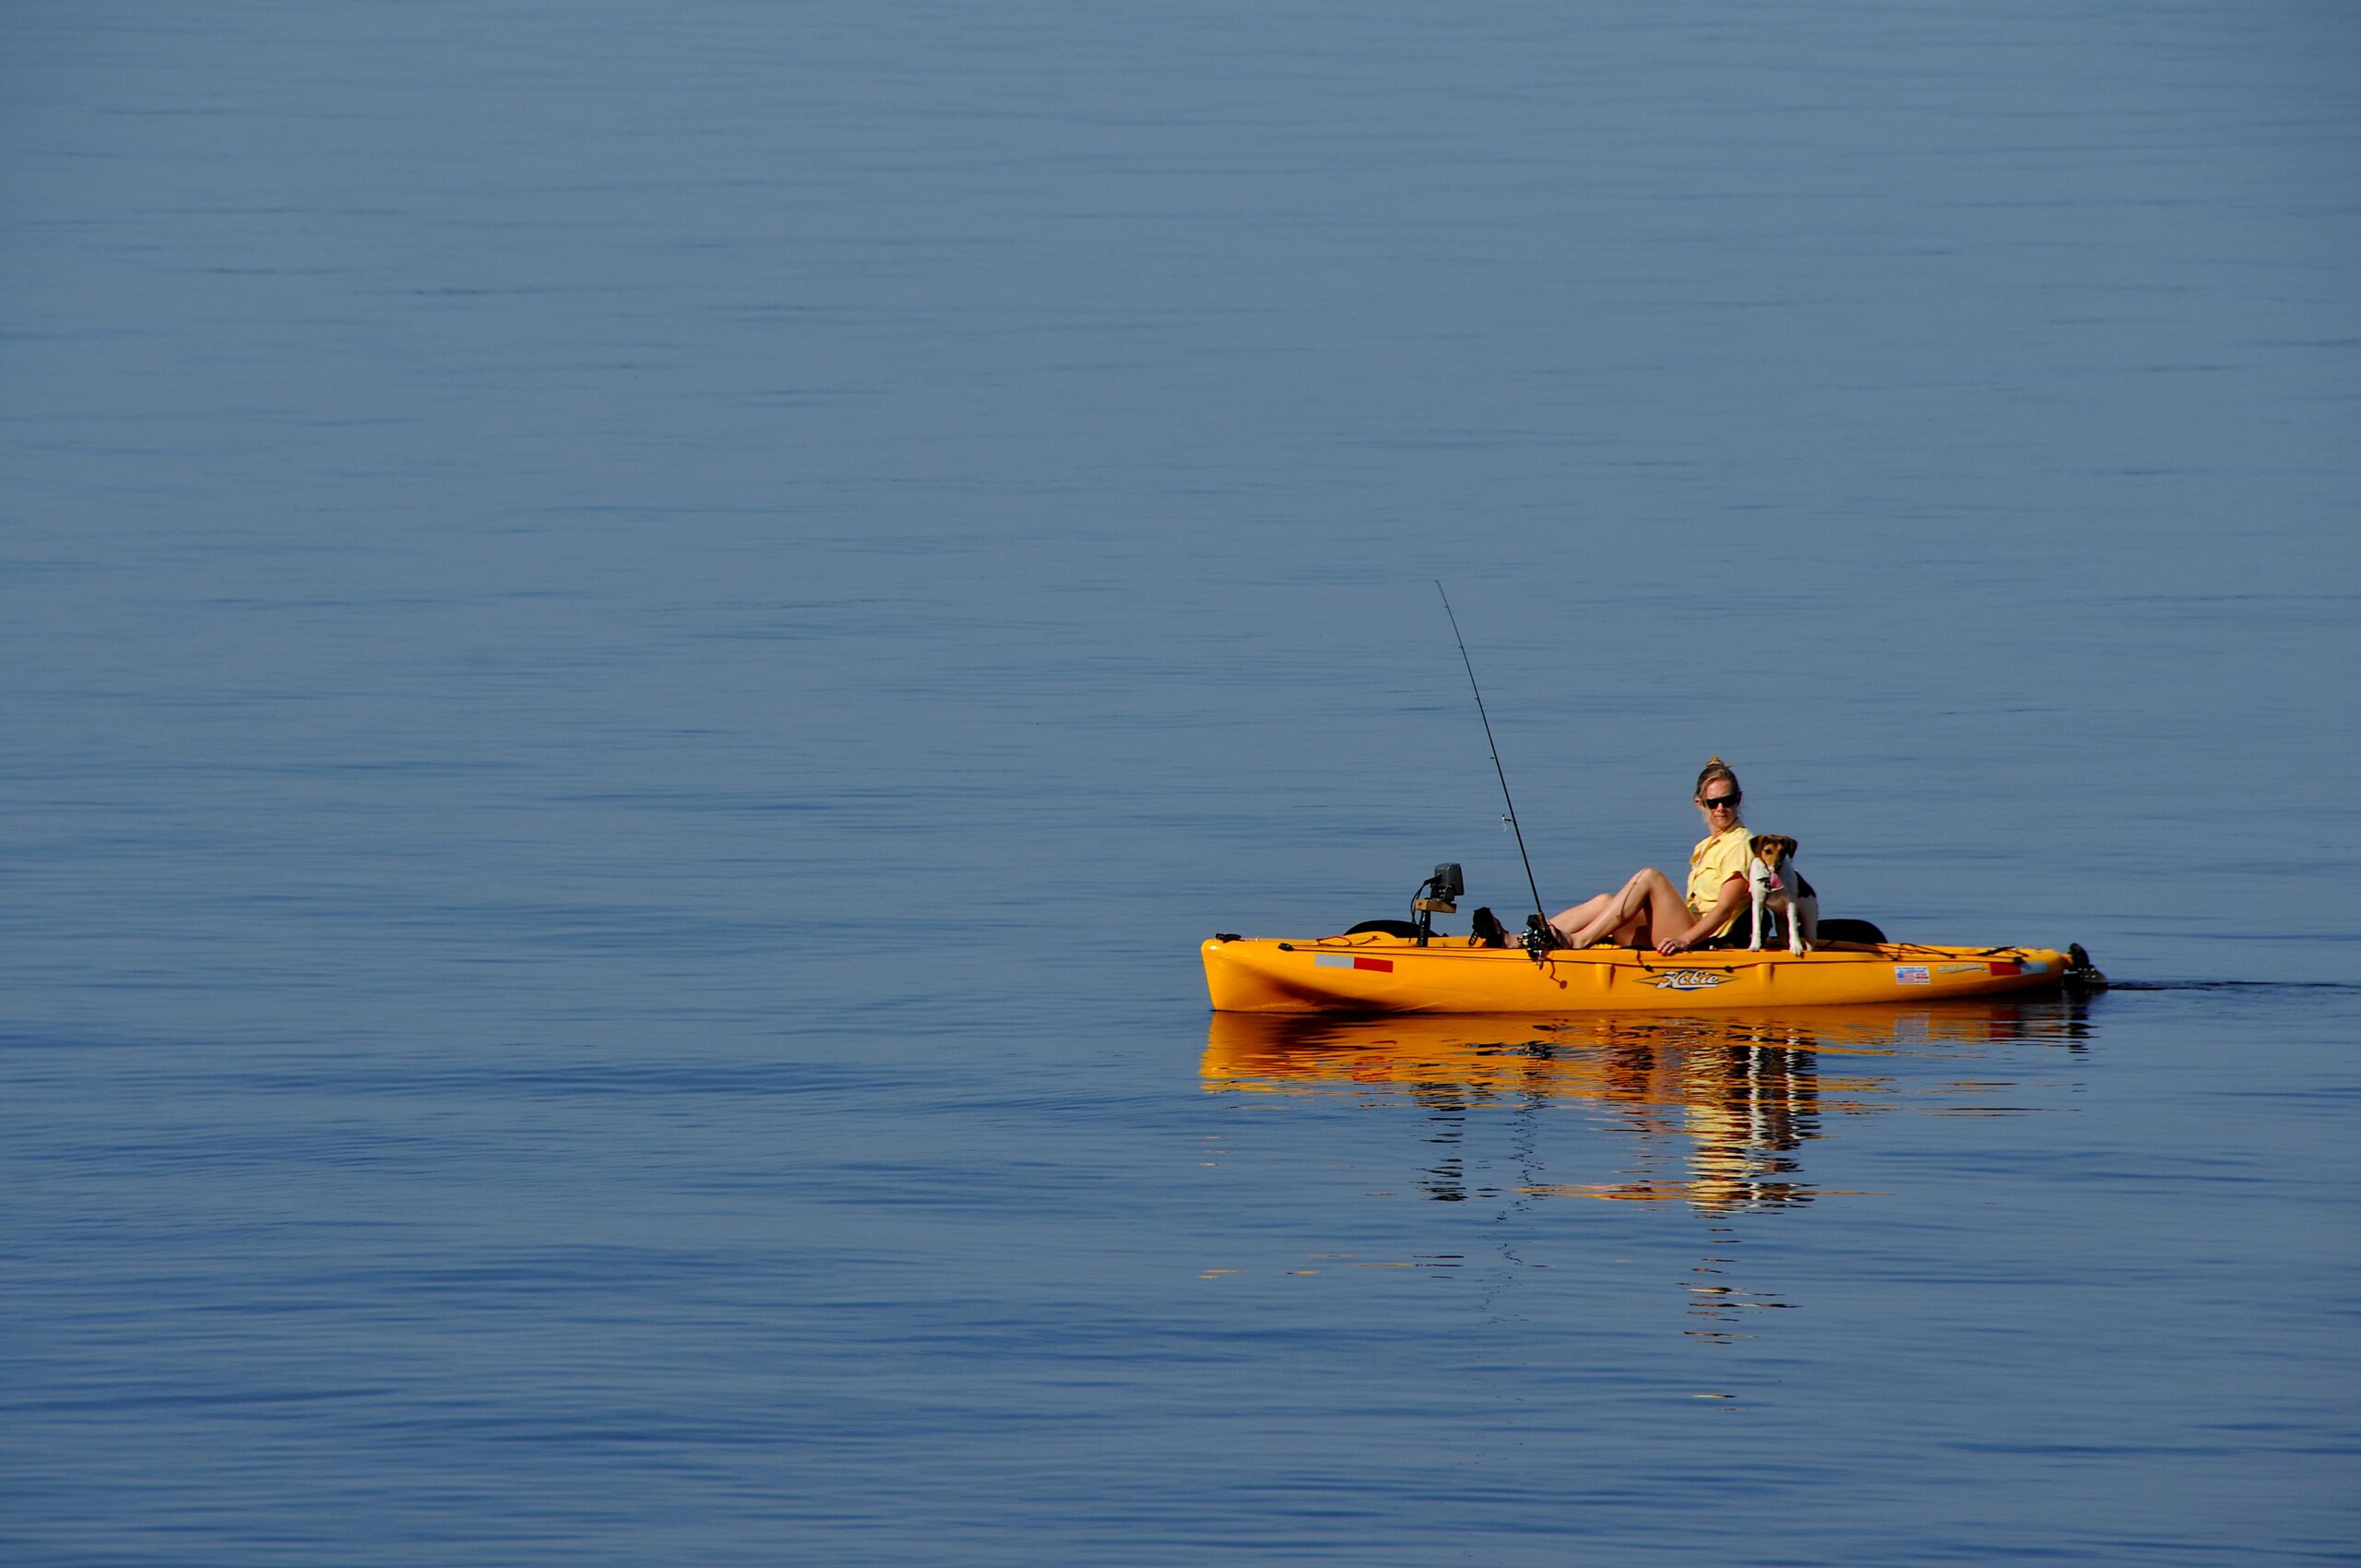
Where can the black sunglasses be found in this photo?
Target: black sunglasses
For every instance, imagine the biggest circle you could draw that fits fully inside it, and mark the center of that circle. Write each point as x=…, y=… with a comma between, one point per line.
x=1729, y=800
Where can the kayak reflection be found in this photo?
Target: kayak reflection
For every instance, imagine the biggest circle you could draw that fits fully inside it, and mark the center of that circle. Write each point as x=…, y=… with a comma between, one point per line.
x=1719, y=1104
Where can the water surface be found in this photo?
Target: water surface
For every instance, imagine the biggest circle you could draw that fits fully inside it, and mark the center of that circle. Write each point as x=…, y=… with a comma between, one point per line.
x=636, y=649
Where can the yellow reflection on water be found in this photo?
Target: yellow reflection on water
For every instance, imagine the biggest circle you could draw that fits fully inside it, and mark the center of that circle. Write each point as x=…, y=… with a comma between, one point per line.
x=1718, y=1105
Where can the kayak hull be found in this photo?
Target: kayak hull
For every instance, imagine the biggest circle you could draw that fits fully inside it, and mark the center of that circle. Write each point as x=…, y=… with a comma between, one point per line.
x=1375, y=973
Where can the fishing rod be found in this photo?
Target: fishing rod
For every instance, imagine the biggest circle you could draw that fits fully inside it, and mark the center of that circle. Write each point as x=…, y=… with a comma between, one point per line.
x=1540, y=935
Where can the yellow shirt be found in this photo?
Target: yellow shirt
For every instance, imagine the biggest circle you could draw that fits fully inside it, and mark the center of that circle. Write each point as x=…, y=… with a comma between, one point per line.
x=1713, y=861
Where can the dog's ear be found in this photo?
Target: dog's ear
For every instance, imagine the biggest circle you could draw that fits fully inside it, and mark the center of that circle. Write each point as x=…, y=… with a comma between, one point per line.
x=1791, y=844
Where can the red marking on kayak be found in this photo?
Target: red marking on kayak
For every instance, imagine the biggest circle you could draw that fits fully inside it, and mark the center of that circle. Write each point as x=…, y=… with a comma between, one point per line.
x=2006, y=967
x=1341, y=961
x=1382, y=965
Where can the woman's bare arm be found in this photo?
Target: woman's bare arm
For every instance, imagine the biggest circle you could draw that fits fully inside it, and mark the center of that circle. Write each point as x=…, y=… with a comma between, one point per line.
x=1734, y=893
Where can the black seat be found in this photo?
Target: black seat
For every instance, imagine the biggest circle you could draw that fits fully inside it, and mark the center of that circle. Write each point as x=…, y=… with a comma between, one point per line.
x=1774, y=929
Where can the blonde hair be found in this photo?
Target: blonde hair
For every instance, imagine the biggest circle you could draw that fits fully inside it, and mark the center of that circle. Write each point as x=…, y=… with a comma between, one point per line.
x=1716, y=768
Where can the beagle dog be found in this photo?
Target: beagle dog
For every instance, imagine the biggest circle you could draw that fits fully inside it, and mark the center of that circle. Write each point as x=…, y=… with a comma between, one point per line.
x=1776, y=884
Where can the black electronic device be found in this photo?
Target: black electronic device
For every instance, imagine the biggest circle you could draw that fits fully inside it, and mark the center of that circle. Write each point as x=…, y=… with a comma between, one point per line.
x=1437, y=896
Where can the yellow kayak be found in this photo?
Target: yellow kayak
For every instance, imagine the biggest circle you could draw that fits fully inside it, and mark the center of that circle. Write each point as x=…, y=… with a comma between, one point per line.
x=1373, y=972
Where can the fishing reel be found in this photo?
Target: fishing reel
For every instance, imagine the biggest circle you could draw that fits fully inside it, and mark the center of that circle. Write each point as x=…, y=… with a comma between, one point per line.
x=1436, y=895
x=1540, y=938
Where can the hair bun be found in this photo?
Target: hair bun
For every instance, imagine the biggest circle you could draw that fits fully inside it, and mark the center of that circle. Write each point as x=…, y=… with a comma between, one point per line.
x=1715, y=762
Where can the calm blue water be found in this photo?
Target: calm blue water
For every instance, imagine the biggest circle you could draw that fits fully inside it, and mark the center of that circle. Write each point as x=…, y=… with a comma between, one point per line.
x=635, y=645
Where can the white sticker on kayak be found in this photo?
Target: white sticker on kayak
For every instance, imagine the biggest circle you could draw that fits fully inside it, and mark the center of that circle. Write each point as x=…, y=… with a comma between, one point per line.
x=1911, y=974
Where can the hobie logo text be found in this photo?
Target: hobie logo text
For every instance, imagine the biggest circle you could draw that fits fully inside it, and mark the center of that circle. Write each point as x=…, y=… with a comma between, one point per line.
x=1688, y=979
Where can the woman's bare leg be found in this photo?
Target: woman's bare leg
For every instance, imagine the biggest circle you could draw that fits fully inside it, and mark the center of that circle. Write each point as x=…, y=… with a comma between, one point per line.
x=1647, y=905
x=1567, y=922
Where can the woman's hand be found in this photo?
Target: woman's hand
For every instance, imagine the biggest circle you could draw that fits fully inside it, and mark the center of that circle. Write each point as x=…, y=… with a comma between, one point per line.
x=1670, y=945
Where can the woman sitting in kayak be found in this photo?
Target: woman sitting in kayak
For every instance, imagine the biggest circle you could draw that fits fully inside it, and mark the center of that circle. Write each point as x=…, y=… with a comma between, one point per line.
x=1650, y=911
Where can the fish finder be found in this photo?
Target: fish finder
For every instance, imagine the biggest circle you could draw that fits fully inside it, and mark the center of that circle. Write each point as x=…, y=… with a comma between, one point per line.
x=1436, y=895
